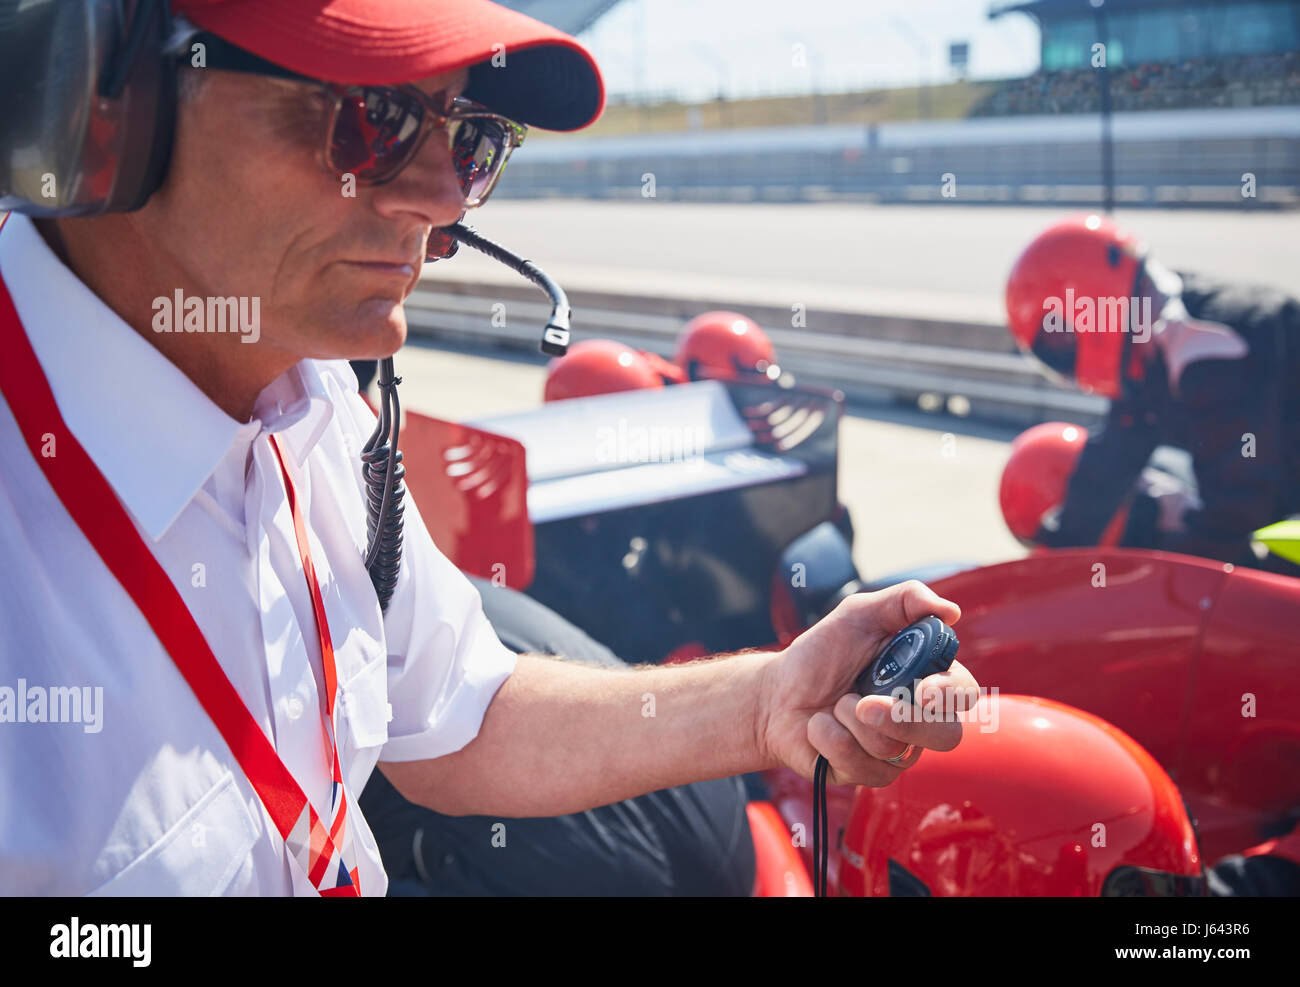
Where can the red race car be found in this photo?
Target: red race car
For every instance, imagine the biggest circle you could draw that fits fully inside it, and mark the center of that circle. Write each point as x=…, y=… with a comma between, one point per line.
x=667, y=523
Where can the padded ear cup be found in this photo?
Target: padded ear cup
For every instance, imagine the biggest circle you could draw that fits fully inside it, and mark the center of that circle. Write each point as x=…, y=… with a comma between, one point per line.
x=157, y=131
x=48, y=59
x=67, y=146
x=149, y=118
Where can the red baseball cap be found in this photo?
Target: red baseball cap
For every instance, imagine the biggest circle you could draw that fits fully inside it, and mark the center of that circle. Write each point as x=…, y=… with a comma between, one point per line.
x=543, y=78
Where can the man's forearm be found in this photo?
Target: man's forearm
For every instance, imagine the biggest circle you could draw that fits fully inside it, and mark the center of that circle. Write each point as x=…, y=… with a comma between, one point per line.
x=561, y=737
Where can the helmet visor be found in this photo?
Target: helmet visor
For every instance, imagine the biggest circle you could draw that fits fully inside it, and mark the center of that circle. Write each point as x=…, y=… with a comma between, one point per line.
x=1056, y=351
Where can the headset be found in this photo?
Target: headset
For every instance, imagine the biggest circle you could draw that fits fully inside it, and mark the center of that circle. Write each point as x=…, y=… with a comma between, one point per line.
x=91, y=104
x=87, y=127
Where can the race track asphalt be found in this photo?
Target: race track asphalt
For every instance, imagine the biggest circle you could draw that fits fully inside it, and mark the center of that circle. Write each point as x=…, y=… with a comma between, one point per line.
x=931, y=261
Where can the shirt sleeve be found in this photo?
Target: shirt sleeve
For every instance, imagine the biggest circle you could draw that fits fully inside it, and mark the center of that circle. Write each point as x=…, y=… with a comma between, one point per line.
x=445, y=659
x=445, y=662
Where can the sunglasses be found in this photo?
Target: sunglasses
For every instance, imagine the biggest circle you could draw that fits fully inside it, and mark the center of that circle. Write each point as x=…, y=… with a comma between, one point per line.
x=376, y=131
x=373, y=132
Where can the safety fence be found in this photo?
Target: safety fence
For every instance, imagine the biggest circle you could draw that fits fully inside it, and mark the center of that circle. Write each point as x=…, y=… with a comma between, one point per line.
x=1246, y=159
x=936, y=365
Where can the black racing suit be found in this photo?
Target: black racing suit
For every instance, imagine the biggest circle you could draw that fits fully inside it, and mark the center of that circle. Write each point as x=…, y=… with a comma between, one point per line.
x=1239, y=419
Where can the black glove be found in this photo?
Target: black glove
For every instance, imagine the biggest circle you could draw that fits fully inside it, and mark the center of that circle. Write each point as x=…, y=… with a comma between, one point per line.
x=1262, y=876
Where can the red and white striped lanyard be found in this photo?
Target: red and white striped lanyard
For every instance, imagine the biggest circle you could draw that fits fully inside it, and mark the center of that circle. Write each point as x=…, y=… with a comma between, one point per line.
x=325, y=853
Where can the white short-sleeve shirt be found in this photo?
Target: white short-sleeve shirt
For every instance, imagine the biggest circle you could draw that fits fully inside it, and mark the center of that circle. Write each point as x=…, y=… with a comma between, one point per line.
x=134, y=791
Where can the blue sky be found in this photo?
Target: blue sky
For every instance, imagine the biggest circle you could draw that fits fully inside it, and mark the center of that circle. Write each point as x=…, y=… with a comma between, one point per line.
x=746, y=47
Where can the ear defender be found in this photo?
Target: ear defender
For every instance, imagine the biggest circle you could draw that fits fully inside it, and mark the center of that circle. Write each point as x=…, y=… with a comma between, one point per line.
x=90, y=112
x=151, y=130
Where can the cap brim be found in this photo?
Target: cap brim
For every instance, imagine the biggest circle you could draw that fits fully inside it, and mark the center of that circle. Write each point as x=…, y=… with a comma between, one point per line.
x=519, y=67
x=551, y=86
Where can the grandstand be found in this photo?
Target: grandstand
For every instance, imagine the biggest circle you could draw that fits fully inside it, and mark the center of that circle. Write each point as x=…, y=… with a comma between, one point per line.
x=1162, y=158
x=1160, y=55
x=1203, y=93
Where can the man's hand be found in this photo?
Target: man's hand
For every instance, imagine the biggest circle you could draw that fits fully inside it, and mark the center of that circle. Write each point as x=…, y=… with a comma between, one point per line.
x=807, y=706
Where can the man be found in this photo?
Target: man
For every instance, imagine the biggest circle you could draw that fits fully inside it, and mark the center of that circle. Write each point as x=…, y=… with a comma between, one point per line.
x=1188, y=362
x=186, y=552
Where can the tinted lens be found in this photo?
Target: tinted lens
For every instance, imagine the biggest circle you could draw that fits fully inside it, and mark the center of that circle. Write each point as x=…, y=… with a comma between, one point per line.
x=478, y=149
x=1056, y=350
x=375, y=132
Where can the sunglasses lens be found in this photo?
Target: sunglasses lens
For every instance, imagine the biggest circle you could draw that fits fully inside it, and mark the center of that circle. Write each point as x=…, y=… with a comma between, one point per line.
x=375, y=133
x=478, y=148
x=377, y=130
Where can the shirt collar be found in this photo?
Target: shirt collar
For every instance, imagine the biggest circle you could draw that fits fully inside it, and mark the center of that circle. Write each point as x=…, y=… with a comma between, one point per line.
x=153, y=434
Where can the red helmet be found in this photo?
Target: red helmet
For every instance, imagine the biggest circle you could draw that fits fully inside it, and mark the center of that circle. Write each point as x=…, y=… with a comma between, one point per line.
x=727, y=346
x=1069, y=299
x=1036, y=477
x=598, y=366
x=1051, y=802
x=668, y=371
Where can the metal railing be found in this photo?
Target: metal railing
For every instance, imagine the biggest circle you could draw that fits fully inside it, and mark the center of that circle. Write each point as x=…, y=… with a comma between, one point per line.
x=1152, y=172
x=870, y=358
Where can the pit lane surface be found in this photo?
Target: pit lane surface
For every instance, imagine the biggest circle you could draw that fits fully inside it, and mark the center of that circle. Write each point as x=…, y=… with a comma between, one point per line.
x=920, y=491
x=941, y=261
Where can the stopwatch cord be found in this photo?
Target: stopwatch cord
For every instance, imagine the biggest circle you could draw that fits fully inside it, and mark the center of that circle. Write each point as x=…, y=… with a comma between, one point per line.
x=821, y=843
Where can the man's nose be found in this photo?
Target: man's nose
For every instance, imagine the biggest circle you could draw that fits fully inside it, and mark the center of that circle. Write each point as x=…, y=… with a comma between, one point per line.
x=428, y=186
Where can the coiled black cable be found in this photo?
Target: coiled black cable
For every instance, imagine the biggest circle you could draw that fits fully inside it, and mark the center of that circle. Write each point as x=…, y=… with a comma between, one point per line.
x=383, y=473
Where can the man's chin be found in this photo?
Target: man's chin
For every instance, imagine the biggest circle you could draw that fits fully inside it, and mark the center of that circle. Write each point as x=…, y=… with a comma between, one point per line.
x=376, y=330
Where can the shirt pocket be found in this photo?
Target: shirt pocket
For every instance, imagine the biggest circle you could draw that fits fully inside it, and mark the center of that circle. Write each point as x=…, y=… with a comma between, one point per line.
x=199, y=856
x=365, y=707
